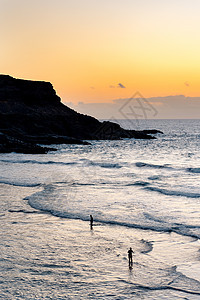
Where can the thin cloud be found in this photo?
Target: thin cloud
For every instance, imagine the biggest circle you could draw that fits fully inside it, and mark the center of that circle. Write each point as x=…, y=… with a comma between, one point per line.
x=168, y=107
x=121, y=86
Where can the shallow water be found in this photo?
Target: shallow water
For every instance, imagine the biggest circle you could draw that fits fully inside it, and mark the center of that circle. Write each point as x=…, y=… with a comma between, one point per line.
x=143, y=194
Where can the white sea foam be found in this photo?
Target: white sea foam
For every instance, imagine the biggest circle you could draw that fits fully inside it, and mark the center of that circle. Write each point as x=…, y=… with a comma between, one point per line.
x=173, y=192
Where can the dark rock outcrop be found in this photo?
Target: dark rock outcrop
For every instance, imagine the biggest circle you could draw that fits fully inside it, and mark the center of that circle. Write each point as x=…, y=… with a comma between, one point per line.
x=31, y=112
x=151, y=131
x=10, y=144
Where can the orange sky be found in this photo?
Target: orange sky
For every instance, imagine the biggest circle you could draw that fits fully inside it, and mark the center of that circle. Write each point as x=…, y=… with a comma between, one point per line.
x=86, y=48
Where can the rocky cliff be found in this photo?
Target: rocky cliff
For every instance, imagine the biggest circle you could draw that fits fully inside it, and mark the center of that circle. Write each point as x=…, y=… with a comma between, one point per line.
x=31, y=112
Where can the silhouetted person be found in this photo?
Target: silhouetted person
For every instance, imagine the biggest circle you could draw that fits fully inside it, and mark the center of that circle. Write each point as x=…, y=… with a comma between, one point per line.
x=130, y=257
x=91, y=221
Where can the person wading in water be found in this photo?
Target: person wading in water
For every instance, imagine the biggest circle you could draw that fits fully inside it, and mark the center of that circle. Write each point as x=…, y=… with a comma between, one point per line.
x=91, y=222
x=130, y=257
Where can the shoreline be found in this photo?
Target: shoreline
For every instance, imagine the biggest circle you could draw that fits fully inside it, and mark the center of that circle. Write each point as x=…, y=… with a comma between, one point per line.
x=70, y=245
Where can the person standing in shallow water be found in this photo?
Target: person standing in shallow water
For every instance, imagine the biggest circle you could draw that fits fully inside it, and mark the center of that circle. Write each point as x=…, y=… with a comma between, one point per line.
x=130, y=257
x=91, y=222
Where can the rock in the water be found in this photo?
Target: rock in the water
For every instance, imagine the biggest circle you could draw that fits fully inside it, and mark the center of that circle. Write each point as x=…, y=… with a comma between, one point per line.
x=151, y=131
x=10, y=144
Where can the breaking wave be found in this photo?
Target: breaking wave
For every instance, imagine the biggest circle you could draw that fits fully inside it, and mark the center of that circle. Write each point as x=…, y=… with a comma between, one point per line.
x=172, y=192
x=193, y=170
x=138, y=183
x=146, y=165
x=38, y=162
x=37, y=201
x=19, y=183
x=165, y=166
x=50, y=162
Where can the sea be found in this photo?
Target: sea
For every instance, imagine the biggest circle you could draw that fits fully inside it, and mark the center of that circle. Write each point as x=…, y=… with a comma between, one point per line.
x=143, y=194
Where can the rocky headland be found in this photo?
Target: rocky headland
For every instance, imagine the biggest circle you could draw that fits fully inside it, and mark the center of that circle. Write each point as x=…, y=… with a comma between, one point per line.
x=31, y=113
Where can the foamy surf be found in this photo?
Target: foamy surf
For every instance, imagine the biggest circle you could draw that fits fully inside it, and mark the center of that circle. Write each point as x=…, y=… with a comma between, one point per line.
x=139, y=194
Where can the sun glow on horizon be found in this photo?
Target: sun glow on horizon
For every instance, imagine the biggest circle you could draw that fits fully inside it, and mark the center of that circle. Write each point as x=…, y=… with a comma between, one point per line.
x=85, y=49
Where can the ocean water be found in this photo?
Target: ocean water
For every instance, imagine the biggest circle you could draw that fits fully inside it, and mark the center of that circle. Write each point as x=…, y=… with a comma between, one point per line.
x=143, y=194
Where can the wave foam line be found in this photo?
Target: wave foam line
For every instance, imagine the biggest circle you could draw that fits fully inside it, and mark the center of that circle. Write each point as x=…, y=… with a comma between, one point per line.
x=50, y=162
x=177, y=229
x=138, y=183
x=166, y=287
x=102, y=164
x=154, y=166
x=23, y=211
x=19, y=183
x=172, y=193
x=146, y=165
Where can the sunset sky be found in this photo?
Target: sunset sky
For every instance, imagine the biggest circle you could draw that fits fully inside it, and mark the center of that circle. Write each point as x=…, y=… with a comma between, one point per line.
x=97, y=51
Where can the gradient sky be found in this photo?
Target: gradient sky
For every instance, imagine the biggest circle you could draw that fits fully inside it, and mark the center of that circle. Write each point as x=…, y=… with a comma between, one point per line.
x=91, y=49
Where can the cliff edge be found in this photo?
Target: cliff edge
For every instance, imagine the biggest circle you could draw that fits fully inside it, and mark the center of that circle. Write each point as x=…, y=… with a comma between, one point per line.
x=31, y=112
